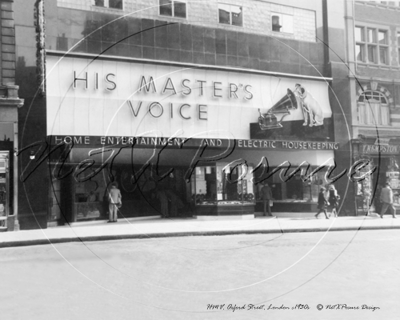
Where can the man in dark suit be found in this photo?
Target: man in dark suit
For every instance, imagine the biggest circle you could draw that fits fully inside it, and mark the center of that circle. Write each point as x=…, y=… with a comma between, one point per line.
x=266, y=195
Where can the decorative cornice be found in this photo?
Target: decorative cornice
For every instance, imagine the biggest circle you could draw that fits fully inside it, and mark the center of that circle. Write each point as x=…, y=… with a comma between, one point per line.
x=9, y=96
x=11, y=102
x=64, y=54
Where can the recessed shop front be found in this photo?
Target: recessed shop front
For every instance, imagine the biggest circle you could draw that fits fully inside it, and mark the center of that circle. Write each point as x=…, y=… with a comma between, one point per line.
x=383, y=157
x=206, y=138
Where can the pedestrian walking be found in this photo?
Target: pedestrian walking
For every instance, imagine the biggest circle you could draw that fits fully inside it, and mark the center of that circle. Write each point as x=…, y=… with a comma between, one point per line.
x=387, y=201
x=333, y=199
x=114, y=202
x=266, y=195
x=322, y=203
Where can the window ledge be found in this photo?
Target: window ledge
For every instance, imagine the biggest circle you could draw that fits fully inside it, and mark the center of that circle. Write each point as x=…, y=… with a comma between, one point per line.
x=378, y=66
x=172, y=17
x=378, y=5
x=281, y=32
x=372, y=126
x=229, y=25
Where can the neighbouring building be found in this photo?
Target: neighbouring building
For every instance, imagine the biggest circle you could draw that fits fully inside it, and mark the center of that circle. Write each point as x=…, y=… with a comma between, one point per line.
x=197, y=102
x=374, y=72
x=9, y=104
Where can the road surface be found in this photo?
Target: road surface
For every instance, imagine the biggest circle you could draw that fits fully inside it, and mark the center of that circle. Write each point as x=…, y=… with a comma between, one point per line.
x=352, y=275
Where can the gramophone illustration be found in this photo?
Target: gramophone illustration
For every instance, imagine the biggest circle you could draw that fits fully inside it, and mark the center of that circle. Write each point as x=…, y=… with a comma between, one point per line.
x=280, y=109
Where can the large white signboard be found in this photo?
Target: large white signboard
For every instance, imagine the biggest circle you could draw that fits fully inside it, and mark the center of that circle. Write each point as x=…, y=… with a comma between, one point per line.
x=118, y=98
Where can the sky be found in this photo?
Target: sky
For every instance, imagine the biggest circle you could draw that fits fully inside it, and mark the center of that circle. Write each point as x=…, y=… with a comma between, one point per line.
x=6, y=131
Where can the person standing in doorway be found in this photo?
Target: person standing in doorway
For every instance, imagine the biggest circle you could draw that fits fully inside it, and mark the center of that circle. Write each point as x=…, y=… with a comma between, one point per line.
x=266, y=195
x=114, y=201
x=322, y=203
x=163, y=198
x=387, y=201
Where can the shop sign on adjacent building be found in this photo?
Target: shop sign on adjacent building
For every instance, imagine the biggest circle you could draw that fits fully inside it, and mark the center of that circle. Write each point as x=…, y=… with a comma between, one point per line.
x=380, y=149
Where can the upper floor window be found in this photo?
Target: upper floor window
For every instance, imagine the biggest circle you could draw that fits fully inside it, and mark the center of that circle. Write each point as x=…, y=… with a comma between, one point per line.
x=282, y=22
x=374, y=96
x=115, y=4
x=230, y=14
x=173, y=8
x=372, y=45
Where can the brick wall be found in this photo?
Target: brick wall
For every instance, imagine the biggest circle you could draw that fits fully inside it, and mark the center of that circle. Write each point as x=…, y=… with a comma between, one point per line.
x=256, y=15
x=7, y=43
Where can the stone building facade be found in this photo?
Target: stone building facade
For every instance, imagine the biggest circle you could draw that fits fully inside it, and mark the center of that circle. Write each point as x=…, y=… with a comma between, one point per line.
x=9, y=104
x=374, y=70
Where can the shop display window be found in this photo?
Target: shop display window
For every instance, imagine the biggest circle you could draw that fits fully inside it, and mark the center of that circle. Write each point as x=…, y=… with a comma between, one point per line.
x=220, y=184
x=393, y=177
x=223, y=184
x=368, y=190
x=88, y=198
x=294, y=189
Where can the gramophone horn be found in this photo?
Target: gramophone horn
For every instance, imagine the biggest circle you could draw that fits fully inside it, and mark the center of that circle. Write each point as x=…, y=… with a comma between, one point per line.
x=269, y=120
x=288, y=102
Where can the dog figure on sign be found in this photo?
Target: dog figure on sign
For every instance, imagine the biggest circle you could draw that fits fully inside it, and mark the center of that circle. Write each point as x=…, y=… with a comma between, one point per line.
x=312, y=111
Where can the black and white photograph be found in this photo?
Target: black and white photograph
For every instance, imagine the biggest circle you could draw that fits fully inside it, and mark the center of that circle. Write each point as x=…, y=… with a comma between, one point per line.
x=199, y=159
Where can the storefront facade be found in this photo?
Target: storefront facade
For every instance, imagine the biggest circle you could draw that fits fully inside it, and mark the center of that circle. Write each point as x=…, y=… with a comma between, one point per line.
x=208, y=136
x=9, y=105
x=203, y=110
x=383, y=156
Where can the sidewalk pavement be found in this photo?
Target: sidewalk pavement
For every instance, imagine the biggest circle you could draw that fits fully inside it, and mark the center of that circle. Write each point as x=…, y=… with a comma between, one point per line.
x=154, y=227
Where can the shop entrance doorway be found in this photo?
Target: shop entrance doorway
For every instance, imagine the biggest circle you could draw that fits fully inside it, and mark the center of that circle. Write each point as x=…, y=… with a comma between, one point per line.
x=157, y=191
x=153, y=192
x=389, y=173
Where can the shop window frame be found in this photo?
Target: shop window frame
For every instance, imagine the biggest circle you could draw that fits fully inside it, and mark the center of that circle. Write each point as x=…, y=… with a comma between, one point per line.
x=309, y=188
x=173, y=4
x=230, y=23
x=221, y=195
